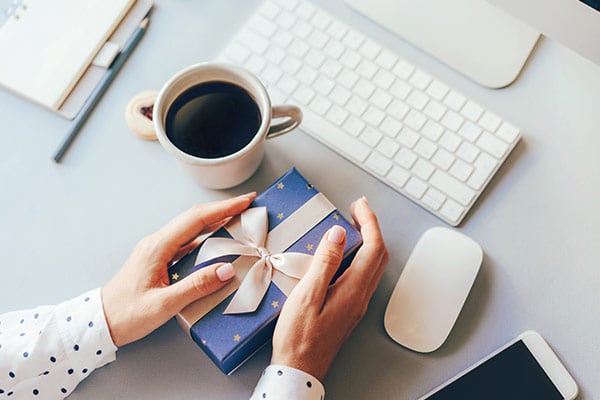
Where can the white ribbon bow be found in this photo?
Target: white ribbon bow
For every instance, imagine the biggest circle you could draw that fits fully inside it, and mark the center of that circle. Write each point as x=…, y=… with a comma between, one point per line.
x=254, y=223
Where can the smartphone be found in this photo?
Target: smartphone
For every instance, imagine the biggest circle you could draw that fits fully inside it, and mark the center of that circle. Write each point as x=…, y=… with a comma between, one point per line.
x=524, y=369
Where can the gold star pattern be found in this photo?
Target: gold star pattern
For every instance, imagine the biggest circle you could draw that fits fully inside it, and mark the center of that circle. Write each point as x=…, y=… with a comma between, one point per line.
x=336, y=216
x=203, y=342
x=236, y=338
x=280, y=185
x=280, y=216
x=175, y=276
x=274, y=304
x=309, y=247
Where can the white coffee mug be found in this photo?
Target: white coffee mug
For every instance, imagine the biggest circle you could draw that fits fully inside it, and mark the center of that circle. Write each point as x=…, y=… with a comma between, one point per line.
x=232, y=169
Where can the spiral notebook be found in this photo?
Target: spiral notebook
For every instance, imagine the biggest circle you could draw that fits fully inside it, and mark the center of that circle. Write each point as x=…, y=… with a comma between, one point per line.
x=47, y=45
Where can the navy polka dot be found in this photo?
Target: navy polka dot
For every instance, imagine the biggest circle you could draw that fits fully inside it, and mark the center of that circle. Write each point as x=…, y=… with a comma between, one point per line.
x=1, y=391
x=279, y=373
x=70, y=371
x=36, y=392
x=11, y=374
x=264, y=395
x=36, y=315
x=25, y=355
x=84, y=371
x=21, y=321
x=22, y=334
x=309, y=384
x=53, y=359
x=9, y=393
x=76, y=347
x=69, y=318
x=46, y=372
x=86, y=299
x=99, y=352
x=91, y=324
x=63, y=390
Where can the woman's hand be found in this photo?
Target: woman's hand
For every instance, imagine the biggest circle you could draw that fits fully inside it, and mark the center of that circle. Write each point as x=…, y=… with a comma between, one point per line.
x=317, y=318
x=139, y=298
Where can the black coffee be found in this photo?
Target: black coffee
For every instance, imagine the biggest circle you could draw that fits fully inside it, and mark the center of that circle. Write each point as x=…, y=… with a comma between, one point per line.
x=213, y=120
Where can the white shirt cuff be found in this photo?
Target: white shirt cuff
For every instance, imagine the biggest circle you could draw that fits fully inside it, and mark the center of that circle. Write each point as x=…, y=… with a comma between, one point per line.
x=279, y=382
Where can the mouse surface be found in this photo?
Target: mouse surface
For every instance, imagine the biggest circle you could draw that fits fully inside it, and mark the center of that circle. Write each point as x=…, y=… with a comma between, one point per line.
x=432, y=289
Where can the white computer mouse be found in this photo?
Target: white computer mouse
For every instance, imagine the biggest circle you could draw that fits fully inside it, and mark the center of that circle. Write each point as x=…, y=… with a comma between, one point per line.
x=432, y=289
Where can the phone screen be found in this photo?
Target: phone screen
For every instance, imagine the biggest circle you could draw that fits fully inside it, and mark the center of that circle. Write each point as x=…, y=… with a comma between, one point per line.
x=512, y=374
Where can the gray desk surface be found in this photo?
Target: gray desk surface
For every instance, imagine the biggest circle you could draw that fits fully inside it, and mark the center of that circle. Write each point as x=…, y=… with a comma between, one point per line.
x=68, y=228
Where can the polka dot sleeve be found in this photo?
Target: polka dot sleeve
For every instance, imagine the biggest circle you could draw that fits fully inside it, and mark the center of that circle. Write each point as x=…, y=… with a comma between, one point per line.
x=279, y=382
x=45, y=352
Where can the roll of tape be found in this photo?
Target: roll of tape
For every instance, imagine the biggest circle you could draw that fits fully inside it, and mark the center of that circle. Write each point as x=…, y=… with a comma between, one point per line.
x=138, y=114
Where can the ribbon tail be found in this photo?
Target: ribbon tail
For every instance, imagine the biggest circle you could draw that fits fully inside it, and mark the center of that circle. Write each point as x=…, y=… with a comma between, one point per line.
x=218, y=247
x=252, y=289
x=294, y=265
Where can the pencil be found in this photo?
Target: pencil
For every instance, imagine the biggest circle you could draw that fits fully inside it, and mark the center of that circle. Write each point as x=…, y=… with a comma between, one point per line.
x=101, y=88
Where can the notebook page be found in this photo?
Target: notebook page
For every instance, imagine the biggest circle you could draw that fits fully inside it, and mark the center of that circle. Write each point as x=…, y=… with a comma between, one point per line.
x=47, y=48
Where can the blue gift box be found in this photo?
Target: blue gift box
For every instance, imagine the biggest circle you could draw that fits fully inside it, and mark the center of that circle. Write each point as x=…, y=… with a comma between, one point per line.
x=230, y=339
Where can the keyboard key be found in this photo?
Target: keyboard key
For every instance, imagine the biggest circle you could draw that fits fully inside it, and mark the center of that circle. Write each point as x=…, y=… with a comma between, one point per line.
x=398, y=176
x=434, y=198
x=373, y=116
x=298, y=48
x=407, y=137
x=451, y=210
x=508, y=132
x=383, y=79
x=357, y=106
x=286, y=20
x=420, y=79
x=364, y=88
x=337, y=115
x=403, y=69
x=415, y=187
x=378, y=164
x=326, y=132
x=302, y=29
x=470, y=131
x=437, y=90
x=417, y=100
x=340, y=95
x=386, y=59
x=350, y=59
x=254, y=42
x=452, y=121
x=369, y=49
x=334, y=49
x=405, y=158
x=269, y=10
x=287, y=84
x=303, y=95
x=472, y=111
x=443, y=159
x=337, y=30
x=489, y=121
x=263, y=26
x=381, y=98
x=400, y=89
x=432, y=130
x=347, y=78
x=305, y=10
x=492, y=144
x=291, y=65
x=321, y=19
x=318, y=39
x=467, y=152
x=275, y=55
x=455, y=189
x=398, y=109
x=307, y=75
x=415, y=120
x=282, y=39
x=237, y=53
x=484, y=166
x=331, y=68
x=390, y=126
x=271, y=74
x=371, y=136
x=455, y=100
x=315, y=58
x=353, y=39
x=423, y=169
x=324, y=85
x=320, y=105
x=425, y=148
x=434, y=110
x=461, y=170
x=388, y=147
x=450, y=141
x=354, y=126
x=367, y=69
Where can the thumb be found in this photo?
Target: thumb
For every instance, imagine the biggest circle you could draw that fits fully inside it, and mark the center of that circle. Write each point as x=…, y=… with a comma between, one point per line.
x=325, y=263
x=200, y=284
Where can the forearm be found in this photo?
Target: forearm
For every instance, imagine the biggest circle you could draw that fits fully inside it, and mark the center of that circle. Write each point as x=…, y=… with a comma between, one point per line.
x=48, y=350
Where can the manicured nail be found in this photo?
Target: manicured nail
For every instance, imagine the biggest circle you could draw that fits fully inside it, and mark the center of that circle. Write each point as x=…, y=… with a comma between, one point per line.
x=365, y=199
x=249, y=195
x=225, y=272
x=336, y=234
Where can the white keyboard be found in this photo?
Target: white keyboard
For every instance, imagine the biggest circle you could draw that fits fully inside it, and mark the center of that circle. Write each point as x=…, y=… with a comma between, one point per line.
x=421, y=137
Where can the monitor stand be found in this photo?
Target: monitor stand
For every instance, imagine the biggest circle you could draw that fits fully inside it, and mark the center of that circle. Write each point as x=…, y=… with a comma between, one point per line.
x=472, y=36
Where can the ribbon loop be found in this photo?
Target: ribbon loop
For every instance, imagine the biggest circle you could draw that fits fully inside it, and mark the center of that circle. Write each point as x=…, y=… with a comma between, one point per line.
x=254, y=223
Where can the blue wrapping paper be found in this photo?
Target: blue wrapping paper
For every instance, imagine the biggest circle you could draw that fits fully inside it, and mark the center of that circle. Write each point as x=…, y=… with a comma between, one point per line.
x=227, y=339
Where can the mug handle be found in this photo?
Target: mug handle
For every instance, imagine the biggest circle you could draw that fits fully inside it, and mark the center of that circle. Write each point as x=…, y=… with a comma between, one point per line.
x=294, y=117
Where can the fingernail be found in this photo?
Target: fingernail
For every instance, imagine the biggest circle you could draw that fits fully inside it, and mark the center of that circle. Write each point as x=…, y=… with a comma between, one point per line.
x=336, y=234
x=225, y=272
x=247, y=195
x=365, y=199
